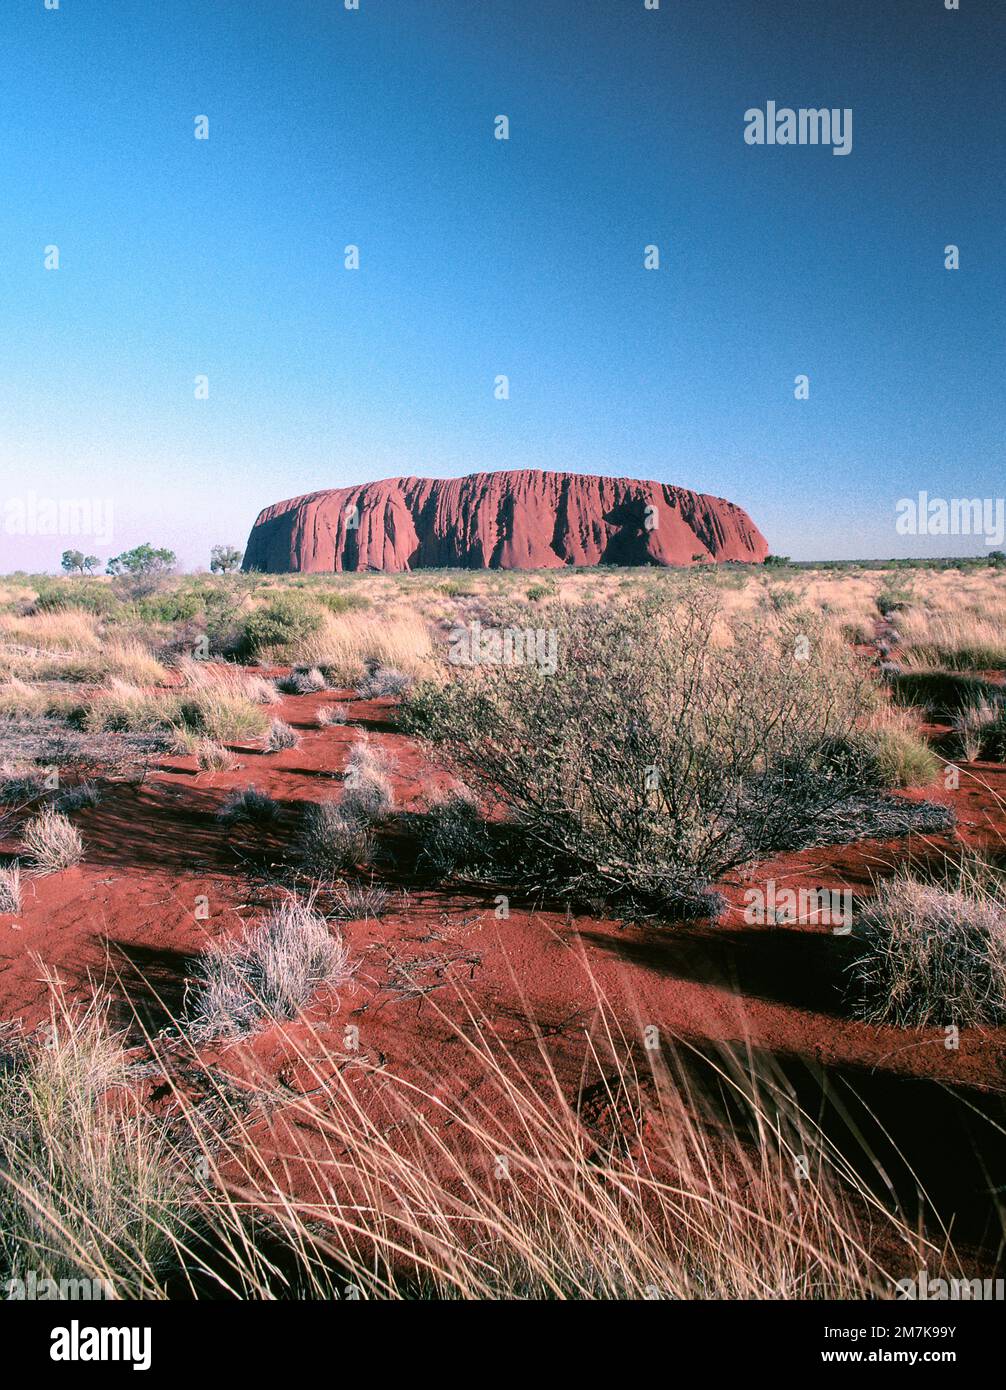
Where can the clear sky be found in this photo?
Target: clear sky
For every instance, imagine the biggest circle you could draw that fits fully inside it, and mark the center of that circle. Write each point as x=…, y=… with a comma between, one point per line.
x=224, y=257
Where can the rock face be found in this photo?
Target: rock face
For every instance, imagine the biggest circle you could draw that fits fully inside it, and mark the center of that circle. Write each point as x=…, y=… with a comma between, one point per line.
x=523, y=519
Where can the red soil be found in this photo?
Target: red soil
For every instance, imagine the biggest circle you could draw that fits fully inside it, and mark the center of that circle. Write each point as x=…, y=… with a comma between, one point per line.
x=129, y=911
x=522, y=519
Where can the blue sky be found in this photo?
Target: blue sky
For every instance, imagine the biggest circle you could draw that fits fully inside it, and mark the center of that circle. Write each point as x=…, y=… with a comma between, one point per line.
x=374, y=127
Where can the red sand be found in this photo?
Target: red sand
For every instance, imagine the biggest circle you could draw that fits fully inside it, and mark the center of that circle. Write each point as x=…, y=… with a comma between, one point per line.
x=152, y=851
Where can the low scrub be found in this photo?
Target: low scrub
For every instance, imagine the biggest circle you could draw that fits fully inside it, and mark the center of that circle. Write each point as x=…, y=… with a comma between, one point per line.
x=662, y=751
x=285, y=621
x=269, y=974
x=933, y=953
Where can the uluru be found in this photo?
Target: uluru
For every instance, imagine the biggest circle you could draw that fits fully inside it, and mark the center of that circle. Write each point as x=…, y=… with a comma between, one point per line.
x=518, y=519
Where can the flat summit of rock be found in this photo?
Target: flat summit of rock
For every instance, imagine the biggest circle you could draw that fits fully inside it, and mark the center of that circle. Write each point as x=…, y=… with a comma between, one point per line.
x=517, y=519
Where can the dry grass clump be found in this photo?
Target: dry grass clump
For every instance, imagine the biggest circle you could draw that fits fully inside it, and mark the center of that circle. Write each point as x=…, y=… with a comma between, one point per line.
x=53, y=744
x=249, y=806
x=933, y=953
x=87, y=1191
x=980, y=729
x=130, y=660
x=123, y=659
x=367, y=796
x=328, y=715
x=19, y=699
x=382, y=681
x=52, y=842
x=901, y=756
x=123, y=706
x=262, y=691
x=222, y=713
x=941, y=693
x=270, y=973
x=357, y=901
x=66, y=630
x=280, y=736
x=346, y=644
x=212, y=756
x=20, y=782
x=304, y=680
x=331, y=841
x=10, y=888
x=204, y=675
x=627, y=1173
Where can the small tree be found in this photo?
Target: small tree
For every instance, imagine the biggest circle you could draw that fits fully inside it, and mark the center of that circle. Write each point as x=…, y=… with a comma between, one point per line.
x=90, y=563
x=142, y=561
x=224, y=558
x=73, y=561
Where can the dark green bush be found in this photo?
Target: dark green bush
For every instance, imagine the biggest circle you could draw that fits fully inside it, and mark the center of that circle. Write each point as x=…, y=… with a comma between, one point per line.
x=283, y=622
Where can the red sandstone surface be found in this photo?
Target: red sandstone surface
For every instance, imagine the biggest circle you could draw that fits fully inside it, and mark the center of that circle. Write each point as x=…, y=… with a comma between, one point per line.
x=523, y=519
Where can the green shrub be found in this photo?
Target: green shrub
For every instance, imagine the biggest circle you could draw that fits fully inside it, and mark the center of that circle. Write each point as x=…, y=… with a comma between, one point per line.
x=902, y=758
x=91, y=595
x=173, y=606
x=284, y=621
x=222, y=714
x=342, y=603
